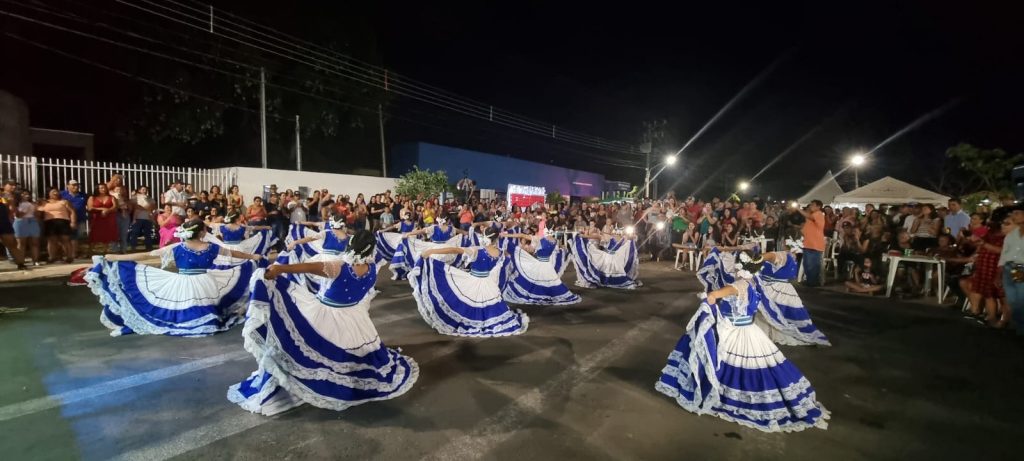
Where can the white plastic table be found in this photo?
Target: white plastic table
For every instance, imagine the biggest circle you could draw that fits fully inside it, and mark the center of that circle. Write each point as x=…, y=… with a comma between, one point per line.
x=894, y=262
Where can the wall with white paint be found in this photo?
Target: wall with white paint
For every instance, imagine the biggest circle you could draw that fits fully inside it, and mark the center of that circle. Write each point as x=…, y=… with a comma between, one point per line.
x=251, y=181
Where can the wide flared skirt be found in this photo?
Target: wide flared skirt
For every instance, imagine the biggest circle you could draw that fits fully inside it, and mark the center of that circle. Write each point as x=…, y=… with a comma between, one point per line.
x=533, y=281
x=739, y=374
x=310, y=352
x=598, y=268
x=140, y=299
x=455, y=302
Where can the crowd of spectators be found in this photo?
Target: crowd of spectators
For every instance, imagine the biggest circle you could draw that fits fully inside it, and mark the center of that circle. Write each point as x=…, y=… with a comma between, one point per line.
x=113, y=218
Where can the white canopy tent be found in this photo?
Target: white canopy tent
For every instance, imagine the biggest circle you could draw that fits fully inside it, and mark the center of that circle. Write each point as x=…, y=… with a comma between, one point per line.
x=825, y=190
x=889, y=190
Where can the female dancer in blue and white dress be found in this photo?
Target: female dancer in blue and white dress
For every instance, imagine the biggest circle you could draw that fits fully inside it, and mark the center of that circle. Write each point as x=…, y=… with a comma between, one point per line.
x=321, y=348
x=726, y=366
x=459, y=303
x=784, y=317
x=536, y=266
x=408, y=252
x=329, y=242
x=246, y=239
x=614, y=266
x=203, y=297
x=388, y=241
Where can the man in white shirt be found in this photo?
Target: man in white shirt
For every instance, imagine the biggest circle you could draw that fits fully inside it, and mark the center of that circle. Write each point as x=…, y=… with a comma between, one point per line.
x=175, y=197
x=1011, y=261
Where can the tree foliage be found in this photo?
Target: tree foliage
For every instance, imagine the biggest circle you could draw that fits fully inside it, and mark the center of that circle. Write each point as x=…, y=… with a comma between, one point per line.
x=422, y=183
x=555, y=197
x=988, y=169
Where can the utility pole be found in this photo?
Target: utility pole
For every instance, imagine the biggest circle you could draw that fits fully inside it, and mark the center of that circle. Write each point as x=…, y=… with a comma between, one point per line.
x=298, y=146
x=263, y=118
x=383, y=154
x=654, y=131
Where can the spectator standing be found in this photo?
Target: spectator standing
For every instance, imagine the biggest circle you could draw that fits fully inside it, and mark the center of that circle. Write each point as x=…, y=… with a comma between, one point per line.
x=26, y=227
x=175, y=197
x=814, y=242
x=956, y=220
x=77, y=200
x=926, y=228
x=7, y=235
x=59, y=223
x=142, y=219
x=124, y=216
x=256, y=215
x=102, y=219
x=1011, y=261
x=985, y=286
x=376, y=207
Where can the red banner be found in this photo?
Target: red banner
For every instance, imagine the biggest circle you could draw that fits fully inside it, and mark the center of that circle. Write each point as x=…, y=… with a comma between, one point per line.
x=524, y=200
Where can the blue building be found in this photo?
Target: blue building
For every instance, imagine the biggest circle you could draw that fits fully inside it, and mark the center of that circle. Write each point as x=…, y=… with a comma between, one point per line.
x=493, y=171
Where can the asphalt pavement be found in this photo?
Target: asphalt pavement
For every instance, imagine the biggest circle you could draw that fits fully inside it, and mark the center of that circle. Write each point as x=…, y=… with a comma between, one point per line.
x=903, y=381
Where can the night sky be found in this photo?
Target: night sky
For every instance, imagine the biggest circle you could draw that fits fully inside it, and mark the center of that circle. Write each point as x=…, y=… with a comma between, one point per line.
x=843, y=77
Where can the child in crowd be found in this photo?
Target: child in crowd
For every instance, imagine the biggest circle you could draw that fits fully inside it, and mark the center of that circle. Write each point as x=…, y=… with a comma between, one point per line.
x=864, y=279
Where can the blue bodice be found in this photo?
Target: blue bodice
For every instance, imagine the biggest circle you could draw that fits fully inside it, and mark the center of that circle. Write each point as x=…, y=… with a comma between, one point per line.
x=232, y=236
x=738, y=311
x=438, y=235
x=192, y=262
x=482, y=265
x=348, y=288
x=787, y=271
x=333, y=245
x=405, y=226
x=614, y=244
x=545, y=247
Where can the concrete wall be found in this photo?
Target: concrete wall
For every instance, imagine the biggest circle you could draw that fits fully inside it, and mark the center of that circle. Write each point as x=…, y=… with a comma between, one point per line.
x=251, y=181
x=15, y=137
x=495, y=171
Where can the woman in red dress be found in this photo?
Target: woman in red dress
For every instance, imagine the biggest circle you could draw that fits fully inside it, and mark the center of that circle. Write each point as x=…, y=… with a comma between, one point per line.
x=102, y=219
x=983, y=288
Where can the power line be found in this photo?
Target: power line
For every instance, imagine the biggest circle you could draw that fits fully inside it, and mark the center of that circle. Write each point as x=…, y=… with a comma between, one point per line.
x=618, y=162
x=346, y=67
x=240, y=76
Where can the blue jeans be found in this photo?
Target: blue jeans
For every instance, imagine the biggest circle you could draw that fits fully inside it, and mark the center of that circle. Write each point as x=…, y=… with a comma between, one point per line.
x=1015, y=296
x=812, y=267
x=141, y=228
x=123, y=226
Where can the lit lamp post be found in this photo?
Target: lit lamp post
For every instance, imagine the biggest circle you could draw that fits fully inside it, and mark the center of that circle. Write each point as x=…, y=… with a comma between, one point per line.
x=856, y=161
x=667, y=161
x=744, y=186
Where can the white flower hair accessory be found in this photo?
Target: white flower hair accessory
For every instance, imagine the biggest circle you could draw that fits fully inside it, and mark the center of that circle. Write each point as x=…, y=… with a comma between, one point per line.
x=795, y=246
x=442, y=220
x=350, y=258
x=337, y=223
x=184, y=233
x=745, y=258
x=745, y=275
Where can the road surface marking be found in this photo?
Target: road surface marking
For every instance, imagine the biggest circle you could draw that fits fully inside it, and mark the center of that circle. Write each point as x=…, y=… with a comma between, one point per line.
x=235, y=423
x=501, y=426
x=36, y=405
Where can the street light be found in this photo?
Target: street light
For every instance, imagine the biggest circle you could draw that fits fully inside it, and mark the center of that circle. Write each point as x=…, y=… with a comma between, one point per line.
x=744, y=186
x=667, y=161
x=856, y=161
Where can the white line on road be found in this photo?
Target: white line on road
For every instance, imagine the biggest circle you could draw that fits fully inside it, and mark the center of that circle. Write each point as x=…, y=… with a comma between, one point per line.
x=210, y=433
x=28, y=407
x=52, y=401
x=499, y=427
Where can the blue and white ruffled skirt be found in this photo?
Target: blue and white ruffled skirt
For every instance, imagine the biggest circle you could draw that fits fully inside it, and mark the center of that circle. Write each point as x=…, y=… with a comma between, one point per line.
x=309, y=352
x=738, y=374
x=598, y=268
x=146, y=300
x=455, y=302
x=533, y=281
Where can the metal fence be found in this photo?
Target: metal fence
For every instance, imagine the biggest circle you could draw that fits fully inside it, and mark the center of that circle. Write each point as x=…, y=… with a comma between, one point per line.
x=37, y=174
